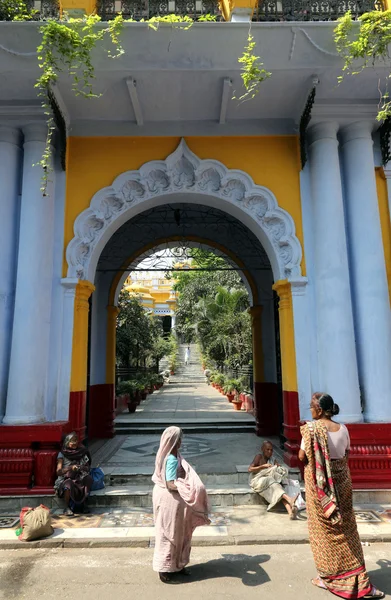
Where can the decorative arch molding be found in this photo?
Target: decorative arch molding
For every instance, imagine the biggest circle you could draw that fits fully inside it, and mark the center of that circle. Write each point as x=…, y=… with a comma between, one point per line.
x=183, y=173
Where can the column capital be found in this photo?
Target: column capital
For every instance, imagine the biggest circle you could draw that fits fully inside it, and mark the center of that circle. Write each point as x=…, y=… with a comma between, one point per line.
x=356, y=131
x=283, y=289
x=10, y=135
x=35, y=132
x=84, y=290
x=298, y=286
x=323, y=131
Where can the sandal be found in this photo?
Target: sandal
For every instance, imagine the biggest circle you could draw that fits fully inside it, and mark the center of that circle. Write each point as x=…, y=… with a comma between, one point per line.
x=67, y=512
x=166, y=578
x=184, y=571
x=375, y=593
x=317, y=582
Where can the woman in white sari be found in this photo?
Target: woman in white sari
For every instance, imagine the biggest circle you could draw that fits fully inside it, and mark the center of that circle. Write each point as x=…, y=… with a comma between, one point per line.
x=266, y=480
x=180, y=504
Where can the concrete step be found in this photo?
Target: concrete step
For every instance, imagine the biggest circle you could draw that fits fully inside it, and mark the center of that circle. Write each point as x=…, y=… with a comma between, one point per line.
x=126, y=425
x=220, y=495
x=154, y=429
x=122, y=476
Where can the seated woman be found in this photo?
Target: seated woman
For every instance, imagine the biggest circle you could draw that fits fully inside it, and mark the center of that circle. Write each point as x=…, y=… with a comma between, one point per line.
x=73, y=473
x=266, y=480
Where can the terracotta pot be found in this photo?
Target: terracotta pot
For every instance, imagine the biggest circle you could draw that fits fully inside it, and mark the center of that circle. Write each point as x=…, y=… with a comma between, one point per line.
x=237, y=405
x=230, y=397
x=172, y=373
x=144, y=395
x=132, y=407
x=150, y=390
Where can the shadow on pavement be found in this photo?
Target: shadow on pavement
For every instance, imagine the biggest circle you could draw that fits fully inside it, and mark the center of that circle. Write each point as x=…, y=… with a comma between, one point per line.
x=240, y=566
x=381, y=578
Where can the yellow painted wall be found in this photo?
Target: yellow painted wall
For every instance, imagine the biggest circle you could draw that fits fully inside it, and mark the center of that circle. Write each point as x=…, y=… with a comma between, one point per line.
x=382, y=195
x=93, y=163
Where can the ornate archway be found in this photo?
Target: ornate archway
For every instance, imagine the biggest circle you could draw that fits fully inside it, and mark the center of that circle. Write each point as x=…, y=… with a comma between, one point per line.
x=183, y=173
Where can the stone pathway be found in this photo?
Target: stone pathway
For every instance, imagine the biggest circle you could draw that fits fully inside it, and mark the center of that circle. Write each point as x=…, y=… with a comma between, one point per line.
x=181, y=401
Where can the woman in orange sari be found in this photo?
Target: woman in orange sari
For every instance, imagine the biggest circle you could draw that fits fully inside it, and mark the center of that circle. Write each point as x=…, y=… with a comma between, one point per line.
x=332, y=526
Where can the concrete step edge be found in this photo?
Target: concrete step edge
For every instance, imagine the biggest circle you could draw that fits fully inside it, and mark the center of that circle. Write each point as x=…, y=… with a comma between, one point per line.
x=148, y=542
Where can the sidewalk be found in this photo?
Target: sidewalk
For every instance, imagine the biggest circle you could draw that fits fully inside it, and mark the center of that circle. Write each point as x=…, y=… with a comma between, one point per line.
x=133, y=527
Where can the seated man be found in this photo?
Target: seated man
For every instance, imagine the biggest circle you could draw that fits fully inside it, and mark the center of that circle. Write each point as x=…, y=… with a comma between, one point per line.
x=266, y=480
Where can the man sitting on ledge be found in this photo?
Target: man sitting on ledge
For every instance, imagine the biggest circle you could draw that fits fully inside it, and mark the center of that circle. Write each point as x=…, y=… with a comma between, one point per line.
x=266, y=480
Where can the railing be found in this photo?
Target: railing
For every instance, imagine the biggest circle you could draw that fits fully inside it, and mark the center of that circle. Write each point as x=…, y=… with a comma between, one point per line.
x=313, y=10
x=46, y=9
x=145, y=9
x=267, y=10
x=125, y=373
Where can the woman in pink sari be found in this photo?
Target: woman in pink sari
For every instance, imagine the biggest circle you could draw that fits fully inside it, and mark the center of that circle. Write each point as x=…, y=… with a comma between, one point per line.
x=180, y=504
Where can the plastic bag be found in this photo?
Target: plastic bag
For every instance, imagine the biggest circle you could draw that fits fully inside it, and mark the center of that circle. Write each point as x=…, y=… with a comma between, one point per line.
x=98, y=479
x=35, y=522
x=292, y=489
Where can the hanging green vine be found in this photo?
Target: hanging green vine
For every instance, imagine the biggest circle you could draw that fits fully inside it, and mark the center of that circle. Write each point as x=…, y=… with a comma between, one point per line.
x=67, y=46
x=253, y=73
x=363, y=44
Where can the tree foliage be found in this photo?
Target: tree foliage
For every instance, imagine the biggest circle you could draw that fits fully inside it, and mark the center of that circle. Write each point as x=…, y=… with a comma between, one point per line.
x=212, y=309
x=140, y=338
x=364, y=44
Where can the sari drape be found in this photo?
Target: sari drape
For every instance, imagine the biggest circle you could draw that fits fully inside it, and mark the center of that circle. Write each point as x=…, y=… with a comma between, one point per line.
x=332, y=526
x=268, y=484
x=176, y=513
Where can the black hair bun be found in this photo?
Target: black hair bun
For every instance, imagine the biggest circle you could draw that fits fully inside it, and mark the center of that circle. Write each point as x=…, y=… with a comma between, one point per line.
x=328, y=406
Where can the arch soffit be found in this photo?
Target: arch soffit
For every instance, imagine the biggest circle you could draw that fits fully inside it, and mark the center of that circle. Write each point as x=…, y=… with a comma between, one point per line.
x=134, y=260
x=182, y=172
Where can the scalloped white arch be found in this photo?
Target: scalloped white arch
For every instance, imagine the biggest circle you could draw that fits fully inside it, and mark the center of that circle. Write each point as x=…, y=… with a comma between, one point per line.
x=182, y=176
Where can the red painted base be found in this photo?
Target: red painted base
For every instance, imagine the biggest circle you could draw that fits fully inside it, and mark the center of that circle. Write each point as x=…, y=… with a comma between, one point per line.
x=101, y=411
x=77, y=413
x=28, y=457
x=291, y=428
x=370, y=455
x=266, y=408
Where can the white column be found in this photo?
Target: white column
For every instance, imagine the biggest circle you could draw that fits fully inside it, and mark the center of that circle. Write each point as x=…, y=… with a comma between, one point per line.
x=338, y=373
x=173, y=321
x=371, y=302
x=64, y=375
x=31, y=327
x=302, y=329
x=10, y=157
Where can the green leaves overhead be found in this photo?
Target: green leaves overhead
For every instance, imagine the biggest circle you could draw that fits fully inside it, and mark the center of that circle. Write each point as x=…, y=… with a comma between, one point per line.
x=365, y=44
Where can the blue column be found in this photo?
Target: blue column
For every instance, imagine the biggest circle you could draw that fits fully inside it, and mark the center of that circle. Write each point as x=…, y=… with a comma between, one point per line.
x=31, y=328
x=10, y=167
x=337, y=360
x=368, y=272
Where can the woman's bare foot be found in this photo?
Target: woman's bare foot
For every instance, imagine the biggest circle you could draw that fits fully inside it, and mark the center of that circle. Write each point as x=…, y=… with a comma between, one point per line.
x=318, y=583
x=375, y=593
x=294, y=513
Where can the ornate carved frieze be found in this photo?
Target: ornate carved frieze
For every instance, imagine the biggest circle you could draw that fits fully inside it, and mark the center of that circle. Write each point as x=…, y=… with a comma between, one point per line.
x=183, y=172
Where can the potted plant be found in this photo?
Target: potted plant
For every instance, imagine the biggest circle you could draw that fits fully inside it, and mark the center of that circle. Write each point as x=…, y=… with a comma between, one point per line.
x=129, y=387
x=229, y=389
x=237, y=402
x=220, y=381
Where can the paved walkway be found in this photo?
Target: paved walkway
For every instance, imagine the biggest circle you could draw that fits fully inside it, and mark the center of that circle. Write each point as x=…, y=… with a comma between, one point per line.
x=182, y=401
x=229, y=573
